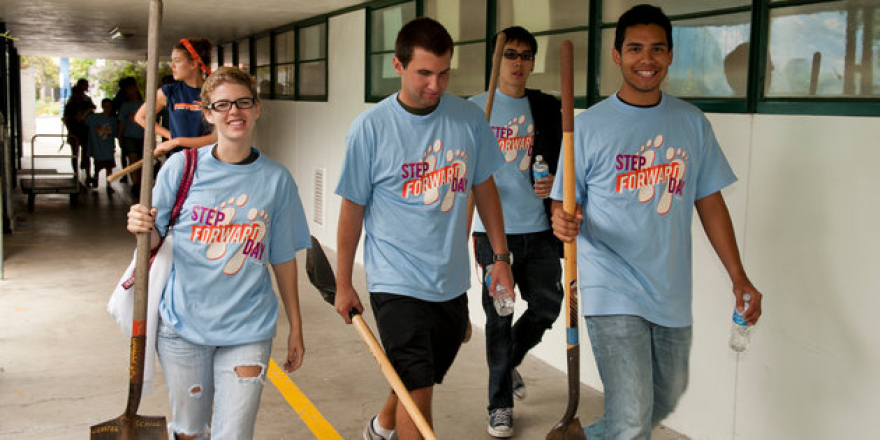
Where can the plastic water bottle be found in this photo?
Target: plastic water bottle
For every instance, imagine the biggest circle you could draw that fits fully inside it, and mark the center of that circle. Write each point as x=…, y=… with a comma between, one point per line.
x=739, y=331
x=540, y=169
x=501, y=299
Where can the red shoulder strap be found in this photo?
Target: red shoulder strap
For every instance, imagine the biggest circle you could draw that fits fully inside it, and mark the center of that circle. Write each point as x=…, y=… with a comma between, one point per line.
x=186, y=180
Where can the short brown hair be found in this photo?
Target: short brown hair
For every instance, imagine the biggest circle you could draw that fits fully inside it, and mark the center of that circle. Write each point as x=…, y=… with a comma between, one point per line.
x=227, y=75
x=425, y=33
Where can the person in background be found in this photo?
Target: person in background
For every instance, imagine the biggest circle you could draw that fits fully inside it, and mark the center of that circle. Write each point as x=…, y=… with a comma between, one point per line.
x=218, y=312
x=131, y=134
x=643, y=162
x=102, y=140
x=78, y=106
x=409, y=166
x=190, y=59
x=527, y=124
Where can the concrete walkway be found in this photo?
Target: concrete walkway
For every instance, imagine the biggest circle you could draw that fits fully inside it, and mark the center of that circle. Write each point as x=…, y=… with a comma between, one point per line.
x=64, y=362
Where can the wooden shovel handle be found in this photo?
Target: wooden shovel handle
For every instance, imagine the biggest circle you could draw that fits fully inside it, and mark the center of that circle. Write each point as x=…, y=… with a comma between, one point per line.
x=392, y=377
x=127, y=170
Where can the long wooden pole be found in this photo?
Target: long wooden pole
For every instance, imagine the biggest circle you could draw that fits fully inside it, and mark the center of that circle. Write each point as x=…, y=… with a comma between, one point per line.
x=142, y=265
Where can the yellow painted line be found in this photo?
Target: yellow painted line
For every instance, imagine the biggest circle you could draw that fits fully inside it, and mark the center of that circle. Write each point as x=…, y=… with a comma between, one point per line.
x=320, y=427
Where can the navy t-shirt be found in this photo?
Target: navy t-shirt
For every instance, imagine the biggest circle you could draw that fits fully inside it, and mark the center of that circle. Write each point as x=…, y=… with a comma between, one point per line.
x=185, y=111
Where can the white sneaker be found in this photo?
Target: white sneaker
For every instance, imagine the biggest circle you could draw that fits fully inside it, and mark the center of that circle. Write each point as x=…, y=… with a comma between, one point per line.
x=501, y=422
x=371, y=434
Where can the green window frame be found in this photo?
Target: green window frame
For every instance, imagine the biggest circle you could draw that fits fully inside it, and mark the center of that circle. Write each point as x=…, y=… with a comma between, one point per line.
x=384, y=20
x=311, y=60
x=283, y=63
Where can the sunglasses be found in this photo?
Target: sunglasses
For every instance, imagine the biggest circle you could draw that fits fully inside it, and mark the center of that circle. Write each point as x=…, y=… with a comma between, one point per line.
x=225, y=106
x=512, y=55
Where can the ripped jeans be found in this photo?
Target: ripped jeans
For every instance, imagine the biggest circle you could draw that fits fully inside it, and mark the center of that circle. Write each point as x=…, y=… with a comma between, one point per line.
x=200, y=377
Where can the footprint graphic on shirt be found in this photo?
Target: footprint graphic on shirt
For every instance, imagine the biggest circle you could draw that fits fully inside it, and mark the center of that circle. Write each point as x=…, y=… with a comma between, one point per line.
x=237, y=261
x=455, y=158
x=228, y=208
x=673, y=156
x=646, y=193
x=430, y=158
x=510, y=153
x=527, y=158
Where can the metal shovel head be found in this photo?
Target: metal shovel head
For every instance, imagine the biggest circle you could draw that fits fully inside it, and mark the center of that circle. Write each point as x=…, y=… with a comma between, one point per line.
x=320, y=272
x=570, y=430
x=131, y=427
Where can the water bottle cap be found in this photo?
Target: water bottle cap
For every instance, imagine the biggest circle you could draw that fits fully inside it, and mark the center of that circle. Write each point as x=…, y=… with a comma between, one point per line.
x=747, y=297
x=539, y=158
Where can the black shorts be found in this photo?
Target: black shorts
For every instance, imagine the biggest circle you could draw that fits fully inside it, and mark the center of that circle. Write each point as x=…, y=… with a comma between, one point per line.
x=421, y=338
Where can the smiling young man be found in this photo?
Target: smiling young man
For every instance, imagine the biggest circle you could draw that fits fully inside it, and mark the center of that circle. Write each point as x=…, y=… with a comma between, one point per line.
x=643, y=161
x=527, y=124
x=410, y=163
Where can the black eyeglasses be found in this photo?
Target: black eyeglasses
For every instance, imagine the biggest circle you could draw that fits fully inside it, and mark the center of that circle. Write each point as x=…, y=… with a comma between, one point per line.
x=224, y=105
x=511, y=54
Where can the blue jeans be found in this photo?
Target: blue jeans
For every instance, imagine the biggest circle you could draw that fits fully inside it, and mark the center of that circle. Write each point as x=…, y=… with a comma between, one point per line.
x=644, y=370
x=200, y=377
x=536, y=270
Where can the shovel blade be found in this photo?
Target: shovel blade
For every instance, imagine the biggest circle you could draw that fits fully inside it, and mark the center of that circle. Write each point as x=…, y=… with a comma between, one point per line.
x=320, y=272
x=131, y=428
x=570, y=430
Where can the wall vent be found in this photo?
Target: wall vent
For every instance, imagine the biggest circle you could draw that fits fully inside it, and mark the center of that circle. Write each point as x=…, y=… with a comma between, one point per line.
x=318, y=197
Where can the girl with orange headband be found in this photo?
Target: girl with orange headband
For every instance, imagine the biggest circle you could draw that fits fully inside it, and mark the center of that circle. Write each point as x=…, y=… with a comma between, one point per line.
x=190, y=61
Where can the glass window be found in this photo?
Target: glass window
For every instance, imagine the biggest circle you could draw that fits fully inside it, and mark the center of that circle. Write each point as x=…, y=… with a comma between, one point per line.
x=312, y=42
x=227, y=54
x=543, y=15
x=284, y=47
x=312, y=62
x=244, y=55
x=215, y=58
x=468, y=70
x=284, y=65
x=264, y=81
x=466, y=22
x=263, y=60
x=710, y=60
x=613, y=9
x=385, y=23
x=464, y=19
x=546, y=75
x=549, y=18
x=824, y=50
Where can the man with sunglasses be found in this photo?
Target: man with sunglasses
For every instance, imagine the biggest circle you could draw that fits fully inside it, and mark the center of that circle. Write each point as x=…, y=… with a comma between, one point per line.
x=527, y=124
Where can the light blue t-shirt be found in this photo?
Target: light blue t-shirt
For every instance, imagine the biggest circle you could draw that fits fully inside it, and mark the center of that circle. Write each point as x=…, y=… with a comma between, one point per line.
x=514, y=128
x=102, y=136
x=638, y=173
x=236, y=221
x=413, y=174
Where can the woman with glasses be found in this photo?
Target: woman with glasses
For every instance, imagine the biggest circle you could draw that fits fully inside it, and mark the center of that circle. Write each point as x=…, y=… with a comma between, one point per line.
x=218, y=310
x=190, y=59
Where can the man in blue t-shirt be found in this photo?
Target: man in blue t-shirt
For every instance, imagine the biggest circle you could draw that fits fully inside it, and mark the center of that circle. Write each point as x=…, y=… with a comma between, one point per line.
x=527, y=124
x=643, y=161
x=410, y=163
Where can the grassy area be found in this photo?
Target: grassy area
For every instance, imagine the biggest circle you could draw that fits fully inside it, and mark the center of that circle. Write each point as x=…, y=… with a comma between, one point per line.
x=48, y=108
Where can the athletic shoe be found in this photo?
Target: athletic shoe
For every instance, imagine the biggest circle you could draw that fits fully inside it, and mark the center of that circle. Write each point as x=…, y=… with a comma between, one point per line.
x=519, y=386
x=371, y=434
x=501, y=422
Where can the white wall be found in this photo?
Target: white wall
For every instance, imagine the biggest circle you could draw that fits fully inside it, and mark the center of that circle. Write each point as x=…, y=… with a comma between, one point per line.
x=803, y=211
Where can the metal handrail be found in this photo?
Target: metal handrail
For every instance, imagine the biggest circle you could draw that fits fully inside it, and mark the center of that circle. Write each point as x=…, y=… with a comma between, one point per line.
x=33, y=170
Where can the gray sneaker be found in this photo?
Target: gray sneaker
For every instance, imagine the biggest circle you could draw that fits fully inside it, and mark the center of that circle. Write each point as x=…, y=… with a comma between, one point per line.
x=518, y=385
x=501, y=422
x=371, y=434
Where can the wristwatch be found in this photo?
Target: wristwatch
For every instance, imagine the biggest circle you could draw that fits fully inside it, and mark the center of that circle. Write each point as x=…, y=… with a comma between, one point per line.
x=506, y=257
